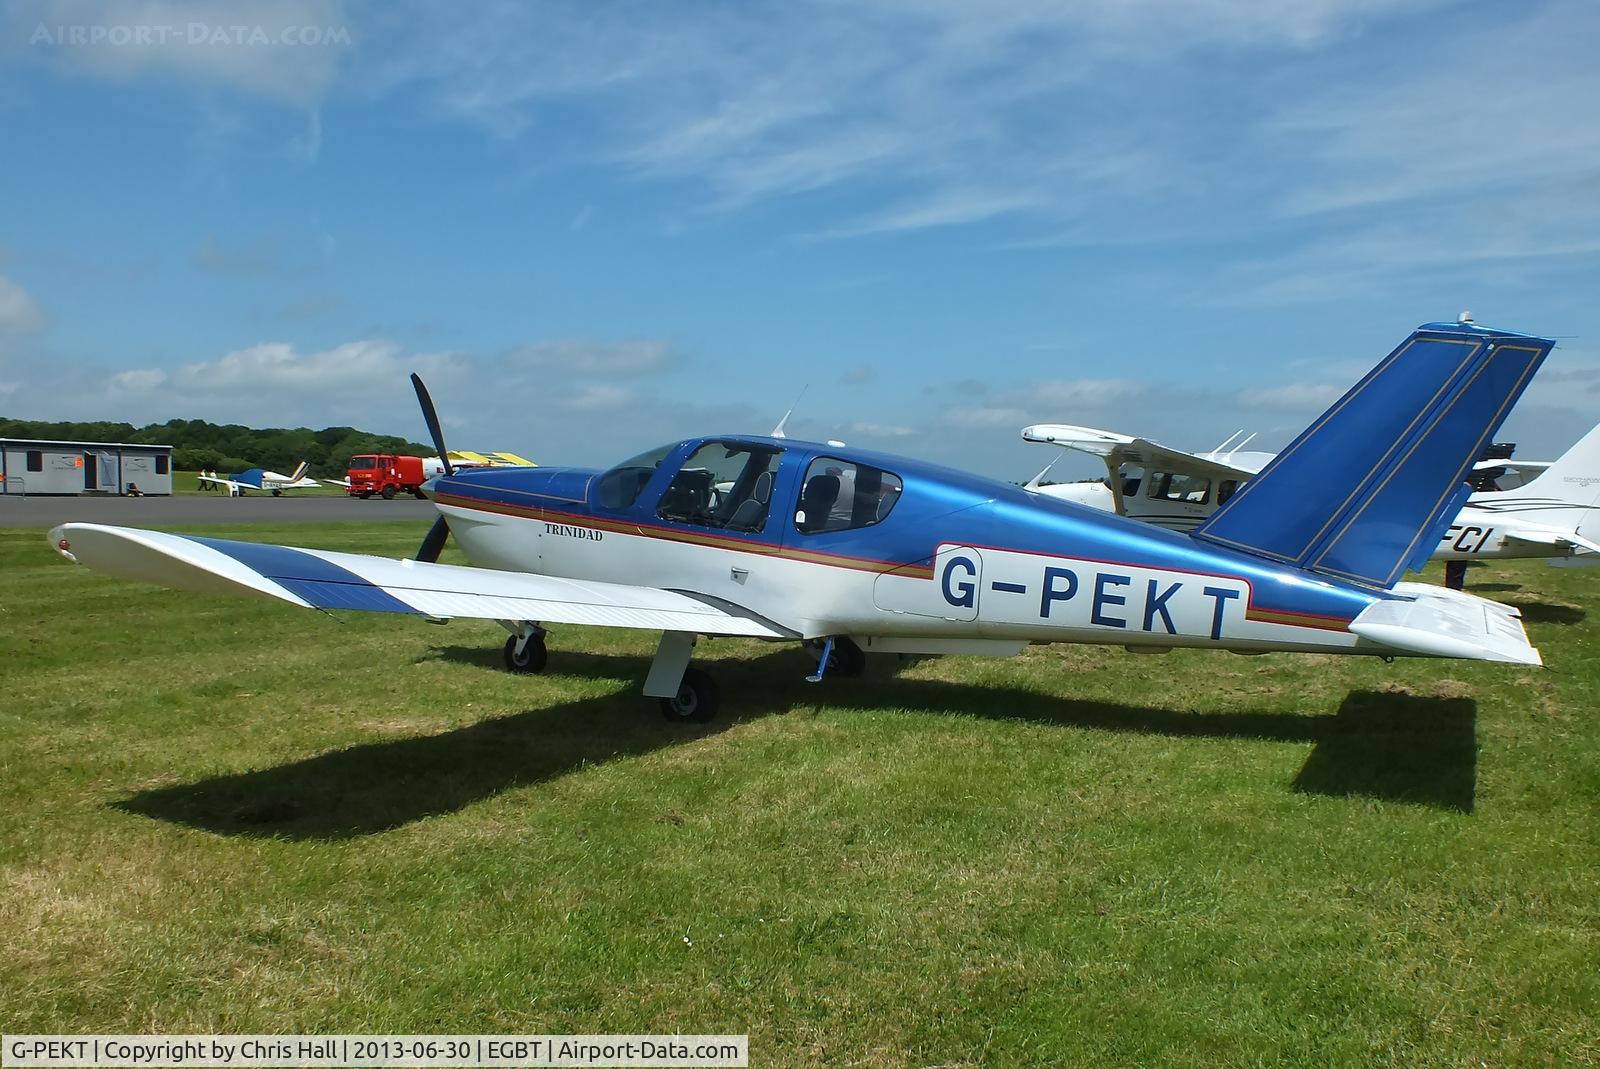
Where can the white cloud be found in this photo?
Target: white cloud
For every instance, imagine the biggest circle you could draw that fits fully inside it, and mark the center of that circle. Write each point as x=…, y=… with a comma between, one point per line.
x=19, y=312
x=138, y=380
x=599, y=397
x=1294, y=395
x=938, y=113
x=880, y=430
x=583, y=356
x=278, y=368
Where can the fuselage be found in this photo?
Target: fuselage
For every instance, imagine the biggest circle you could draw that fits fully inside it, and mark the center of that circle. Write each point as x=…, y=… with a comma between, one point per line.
x=1491, y=524
x=947, y=558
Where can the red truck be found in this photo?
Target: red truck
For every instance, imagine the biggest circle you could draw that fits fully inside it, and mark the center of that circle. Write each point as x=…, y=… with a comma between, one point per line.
x=383, y=474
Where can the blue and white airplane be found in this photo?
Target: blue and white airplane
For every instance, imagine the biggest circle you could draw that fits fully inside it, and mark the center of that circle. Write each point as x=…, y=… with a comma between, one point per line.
x=260, y=479
x=855, y=552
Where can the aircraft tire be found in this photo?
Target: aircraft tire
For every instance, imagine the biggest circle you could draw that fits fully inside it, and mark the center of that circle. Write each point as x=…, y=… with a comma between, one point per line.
x=277, y=493
x=388, y=493
x=847, y=659
x=533, y=659
x=696, y=701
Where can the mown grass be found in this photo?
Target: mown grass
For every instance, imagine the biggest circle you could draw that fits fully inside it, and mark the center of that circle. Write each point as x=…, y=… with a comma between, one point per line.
x=188, y=482
x=223, y=815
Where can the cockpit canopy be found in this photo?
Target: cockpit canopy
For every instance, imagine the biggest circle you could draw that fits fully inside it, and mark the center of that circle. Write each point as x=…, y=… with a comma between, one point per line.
x=730, y=484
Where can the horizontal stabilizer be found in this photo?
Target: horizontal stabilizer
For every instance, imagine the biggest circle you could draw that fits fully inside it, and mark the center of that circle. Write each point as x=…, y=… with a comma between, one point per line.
x=323, y=579
x=1432, y=621
x=1357, y=496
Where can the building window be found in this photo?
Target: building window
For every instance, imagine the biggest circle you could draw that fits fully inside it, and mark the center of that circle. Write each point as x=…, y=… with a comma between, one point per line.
x=35, y=460
x=724, y=484
x=841, y=495
x=163, y=464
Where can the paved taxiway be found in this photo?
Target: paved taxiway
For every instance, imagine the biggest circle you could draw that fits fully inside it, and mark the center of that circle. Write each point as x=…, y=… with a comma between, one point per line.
x=44, y=512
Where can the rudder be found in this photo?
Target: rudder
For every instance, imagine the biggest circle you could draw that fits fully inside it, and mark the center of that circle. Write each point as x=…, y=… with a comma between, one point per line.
x=1357, y=494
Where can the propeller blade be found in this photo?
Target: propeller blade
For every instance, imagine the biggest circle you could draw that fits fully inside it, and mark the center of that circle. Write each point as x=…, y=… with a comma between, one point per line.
x=432, y=419
x=433, y=544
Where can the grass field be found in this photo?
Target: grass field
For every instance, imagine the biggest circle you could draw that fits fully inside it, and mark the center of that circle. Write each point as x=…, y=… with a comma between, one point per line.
x=235, y=816
x=188, y=482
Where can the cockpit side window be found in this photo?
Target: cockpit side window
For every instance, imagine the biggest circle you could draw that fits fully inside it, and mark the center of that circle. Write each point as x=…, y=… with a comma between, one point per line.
x=620, y=487
x=841, y=495
x=1191, y=489
x=725, y=485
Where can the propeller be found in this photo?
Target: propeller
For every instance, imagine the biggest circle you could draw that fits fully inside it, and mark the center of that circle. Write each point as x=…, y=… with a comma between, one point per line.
x=439, y=533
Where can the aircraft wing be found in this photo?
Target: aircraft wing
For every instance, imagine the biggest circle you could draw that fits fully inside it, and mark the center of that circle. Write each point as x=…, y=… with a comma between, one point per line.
x=1540, y=536
x=1117, y=449
x=343, y=484
x=1436, y=622
x=321, y=579
x=229, y=483
x=1528, y=468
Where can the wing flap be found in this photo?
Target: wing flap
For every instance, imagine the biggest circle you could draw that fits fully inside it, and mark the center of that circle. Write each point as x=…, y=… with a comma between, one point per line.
x=328, y=580
x=1436, y=622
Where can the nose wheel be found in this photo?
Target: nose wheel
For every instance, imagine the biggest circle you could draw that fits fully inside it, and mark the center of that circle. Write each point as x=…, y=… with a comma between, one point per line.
x=696, y=701
x=530, y=658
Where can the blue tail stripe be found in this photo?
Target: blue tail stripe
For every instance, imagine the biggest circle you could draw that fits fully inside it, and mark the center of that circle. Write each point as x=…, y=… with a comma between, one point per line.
x=322, y=583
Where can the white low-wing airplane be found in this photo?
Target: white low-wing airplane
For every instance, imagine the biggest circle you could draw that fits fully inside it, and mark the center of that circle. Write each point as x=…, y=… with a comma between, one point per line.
x=855, y=552
x=260, y=479
x=1555, y=513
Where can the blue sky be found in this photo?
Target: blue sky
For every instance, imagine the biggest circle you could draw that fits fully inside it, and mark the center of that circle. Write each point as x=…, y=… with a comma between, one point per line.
x=595, y=226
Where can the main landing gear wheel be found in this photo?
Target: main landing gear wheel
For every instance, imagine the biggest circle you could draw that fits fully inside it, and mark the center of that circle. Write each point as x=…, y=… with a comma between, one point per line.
x=533, y=656
x=277, y=493
x=696, y=700
x=847, y=658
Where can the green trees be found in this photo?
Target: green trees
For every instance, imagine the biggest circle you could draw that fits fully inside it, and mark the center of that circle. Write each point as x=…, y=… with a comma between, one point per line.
x=229, y=447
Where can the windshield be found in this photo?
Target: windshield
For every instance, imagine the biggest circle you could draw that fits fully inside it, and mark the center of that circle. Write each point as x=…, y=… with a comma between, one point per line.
x=620, y=487
x=362, y=463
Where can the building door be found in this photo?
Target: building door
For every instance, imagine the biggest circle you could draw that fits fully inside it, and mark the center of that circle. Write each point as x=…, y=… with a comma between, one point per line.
x=91, y=477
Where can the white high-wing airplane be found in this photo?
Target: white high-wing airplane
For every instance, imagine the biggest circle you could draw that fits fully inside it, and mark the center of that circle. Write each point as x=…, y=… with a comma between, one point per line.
x=259, y=479
x=1555, y=513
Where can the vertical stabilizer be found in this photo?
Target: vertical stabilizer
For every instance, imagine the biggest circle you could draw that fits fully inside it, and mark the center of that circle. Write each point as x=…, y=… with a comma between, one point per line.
x=1362, y=493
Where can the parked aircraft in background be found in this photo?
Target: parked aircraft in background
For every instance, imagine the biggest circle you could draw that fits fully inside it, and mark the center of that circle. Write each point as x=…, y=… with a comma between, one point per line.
x=1553, y=513
x=460, y=459
x=853, y=552
x=258, y=479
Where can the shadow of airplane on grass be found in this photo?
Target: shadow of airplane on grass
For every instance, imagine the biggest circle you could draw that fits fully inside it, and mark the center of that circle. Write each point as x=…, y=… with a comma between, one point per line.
x=1545, y=612
x=1388, y=746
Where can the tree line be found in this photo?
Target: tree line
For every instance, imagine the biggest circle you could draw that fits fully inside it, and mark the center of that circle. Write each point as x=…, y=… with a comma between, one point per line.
x=229, y=447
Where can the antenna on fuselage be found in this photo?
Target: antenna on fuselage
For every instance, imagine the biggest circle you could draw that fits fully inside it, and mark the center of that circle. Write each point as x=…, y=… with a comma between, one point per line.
x=777, y=432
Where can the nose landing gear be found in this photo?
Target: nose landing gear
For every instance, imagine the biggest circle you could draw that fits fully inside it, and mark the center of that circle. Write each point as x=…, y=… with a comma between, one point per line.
x=525, y=650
